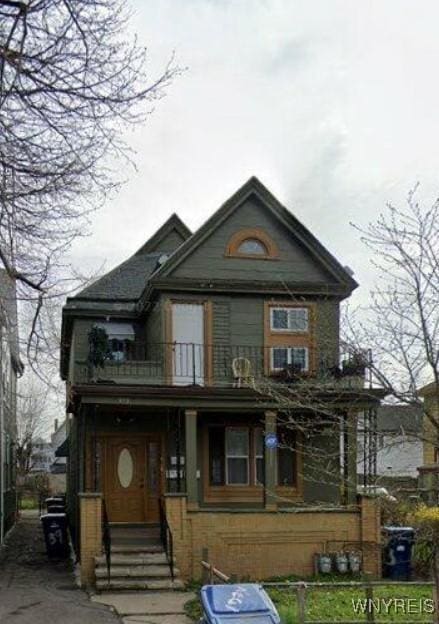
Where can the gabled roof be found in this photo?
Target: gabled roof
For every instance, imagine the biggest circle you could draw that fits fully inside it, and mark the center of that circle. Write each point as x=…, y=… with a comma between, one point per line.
x=127, y=281
x=124, y=283
x=254, y=187
x=174, y=223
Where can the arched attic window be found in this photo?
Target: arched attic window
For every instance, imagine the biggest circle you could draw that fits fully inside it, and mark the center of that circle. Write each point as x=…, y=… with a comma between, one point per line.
x=252, y=243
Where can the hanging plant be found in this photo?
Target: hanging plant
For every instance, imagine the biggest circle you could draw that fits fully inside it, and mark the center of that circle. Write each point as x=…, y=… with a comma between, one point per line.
x=99, y=350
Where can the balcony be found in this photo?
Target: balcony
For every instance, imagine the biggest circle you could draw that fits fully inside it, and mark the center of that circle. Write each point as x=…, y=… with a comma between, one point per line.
x=227, y=366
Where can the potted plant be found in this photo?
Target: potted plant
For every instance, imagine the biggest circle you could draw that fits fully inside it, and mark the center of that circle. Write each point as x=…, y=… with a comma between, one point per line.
x=99, y=349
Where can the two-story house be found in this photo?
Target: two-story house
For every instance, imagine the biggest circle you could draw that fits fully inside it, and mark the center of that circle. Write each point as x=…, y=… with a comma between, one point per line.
x=10, y=368
x=206, y=396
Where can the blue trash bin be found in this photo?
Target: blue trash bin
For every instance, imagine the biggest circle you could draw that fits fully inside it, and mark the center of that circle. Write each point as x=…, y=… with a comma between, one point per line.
x=245, y=603
x=398, y=552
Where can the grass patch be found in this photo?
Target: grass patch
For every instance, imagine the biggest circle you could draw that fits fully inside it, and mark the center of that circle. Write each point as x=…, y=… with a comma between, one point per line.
x=336, y=604
x=28, y=503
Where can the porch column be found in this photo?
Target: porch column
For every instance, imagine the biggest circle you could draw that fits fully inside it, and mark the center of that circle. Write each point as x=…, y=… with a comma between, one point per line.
x=191, y=457
x=351, y=457
x=270, y=456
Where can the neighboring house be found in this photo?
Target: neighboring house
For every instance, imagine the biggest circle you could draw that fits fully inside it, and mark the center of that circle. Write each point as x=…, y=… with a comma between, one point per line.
x=394, y=446
x=207, y=336
x=43, y=456
x=10, y=369
x=58, y=441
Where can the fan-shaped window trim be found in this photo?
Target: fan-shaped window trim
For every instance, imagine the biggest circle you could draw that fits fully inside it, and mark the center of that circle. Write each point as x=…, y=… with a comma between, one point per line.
x=233, y=247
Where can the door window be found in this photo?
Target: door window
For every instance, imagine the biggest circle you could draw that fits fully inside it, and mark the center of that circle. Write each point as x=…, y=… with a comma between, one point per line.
x=125, y=468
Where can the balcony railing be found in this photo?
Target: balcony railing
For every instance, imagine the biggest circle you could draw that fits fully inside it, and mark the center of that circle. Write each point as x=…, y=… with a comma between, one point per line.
x=186, y=364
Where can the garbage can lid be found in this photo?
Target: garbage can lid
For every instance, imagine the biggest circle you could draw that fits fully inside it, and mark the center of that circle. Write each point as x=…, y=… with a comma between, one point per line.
x=238, y=602
x=398, y=529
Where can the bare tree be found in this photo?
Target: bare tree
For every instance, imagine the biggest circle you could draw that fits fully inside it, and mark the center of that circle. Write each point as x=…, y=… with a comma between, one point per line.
x=401, y=323
x=402, y=326
x=32, y=422
x=70, y=83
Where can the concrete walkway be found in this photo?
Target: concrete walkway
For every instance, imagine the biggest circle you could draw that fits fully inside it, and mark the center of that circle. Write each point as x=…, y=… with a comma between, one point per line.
x=148, y=607
x=34, y=590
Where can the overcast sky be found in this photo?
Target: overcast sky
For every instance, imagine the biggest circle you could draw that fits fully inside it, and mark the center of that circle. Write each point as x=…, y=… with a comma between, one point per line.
x=332, y=104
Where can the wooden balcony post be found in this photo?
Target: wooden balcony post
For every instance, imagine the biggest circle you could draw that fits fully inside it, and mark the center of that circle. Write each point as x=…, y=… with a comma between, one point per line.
x=191, y=457
x=270, y=463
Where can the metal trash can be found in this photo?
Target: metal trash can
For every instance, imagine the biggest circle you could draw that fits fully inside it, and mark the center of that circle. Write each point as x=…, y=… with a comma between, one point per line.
x=398, y=552
x=234, y=603
x=55, y=535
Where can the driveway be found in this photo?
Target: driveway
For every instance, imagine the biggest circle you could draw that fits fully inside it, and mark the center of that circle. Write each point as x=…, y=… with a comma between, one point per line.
x=34, y=590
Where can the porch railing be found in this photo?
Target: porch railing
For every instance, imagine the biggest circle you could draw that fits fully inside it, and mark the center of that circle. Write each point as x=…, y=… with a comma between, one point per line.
x=183, y=364
x=166, y=538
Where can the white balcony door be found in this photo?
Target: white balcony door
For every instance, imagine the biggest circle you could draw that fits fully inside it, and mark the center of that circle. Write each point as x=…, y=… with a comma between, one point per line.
x=188, y=347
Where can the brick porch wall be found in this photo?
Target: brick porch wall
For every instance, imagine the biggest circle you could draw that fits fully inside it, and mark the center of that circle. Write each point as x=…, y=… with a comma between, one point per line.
x=90, y=535
x=261, y=544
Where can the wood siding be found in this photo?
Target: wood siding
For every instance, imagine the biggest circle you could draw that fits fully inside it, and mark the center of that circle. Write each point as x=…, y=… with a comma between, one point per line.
x=210, y=260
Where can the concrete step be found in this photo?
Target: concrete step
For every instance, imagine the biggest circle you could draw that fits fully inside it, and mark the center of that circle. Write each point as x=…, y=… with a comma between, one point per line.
x=133, y=559
x=136, y=548
x=138, y=584
x=137, y=571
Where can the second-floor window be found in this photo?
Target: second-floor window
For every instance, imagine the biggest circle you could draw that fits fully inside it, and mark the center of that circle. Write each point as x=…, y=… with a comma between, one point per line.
x=289, y=319
x=293, y=357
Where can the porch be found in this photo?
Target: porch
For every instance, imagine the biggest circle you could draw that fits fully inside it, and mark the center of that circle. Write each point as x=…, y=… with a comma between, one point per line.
x=212, y=468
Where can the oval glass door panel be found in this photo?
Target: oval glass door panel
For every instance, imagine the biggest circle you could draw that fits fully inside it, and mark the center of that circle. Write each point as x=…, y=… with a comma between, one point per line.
x=125, y=468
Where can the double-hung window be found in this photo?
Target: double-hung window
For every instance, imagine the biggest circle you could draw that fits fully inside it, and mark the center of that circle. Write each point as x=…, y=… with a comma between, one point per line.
x=283, y=357
x=289, y=319
x=237, y=456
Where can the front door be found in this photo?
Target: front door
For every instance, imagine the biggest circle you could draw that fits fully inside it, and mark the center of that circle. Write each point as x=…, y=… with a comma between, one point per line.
x=132, y=479
x=188, y=344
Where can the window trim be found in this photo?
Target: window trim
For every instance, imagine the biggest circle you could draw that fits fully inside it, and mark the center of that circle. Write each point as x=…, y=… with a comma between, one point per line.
x=289, y=358
x=256, y=456
x=232, y=249
x=288, y=330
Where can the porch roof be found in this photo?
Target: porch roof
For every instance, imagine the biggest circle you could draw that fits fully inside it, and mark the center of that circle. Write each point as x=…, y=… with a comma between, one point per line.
x=214, y=398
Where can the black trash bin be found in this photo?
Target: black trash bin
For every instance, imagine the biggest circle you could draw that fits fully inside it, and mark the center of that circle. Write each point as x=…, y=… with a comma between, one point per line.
x=232, y=604
x=397, y=563
x=55, y=535
x=55, y=504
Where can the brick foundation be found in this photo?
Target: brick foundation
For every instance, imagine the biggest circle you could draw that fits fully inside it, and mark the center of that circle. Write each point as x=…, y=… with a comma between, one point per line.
x=260, y=544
